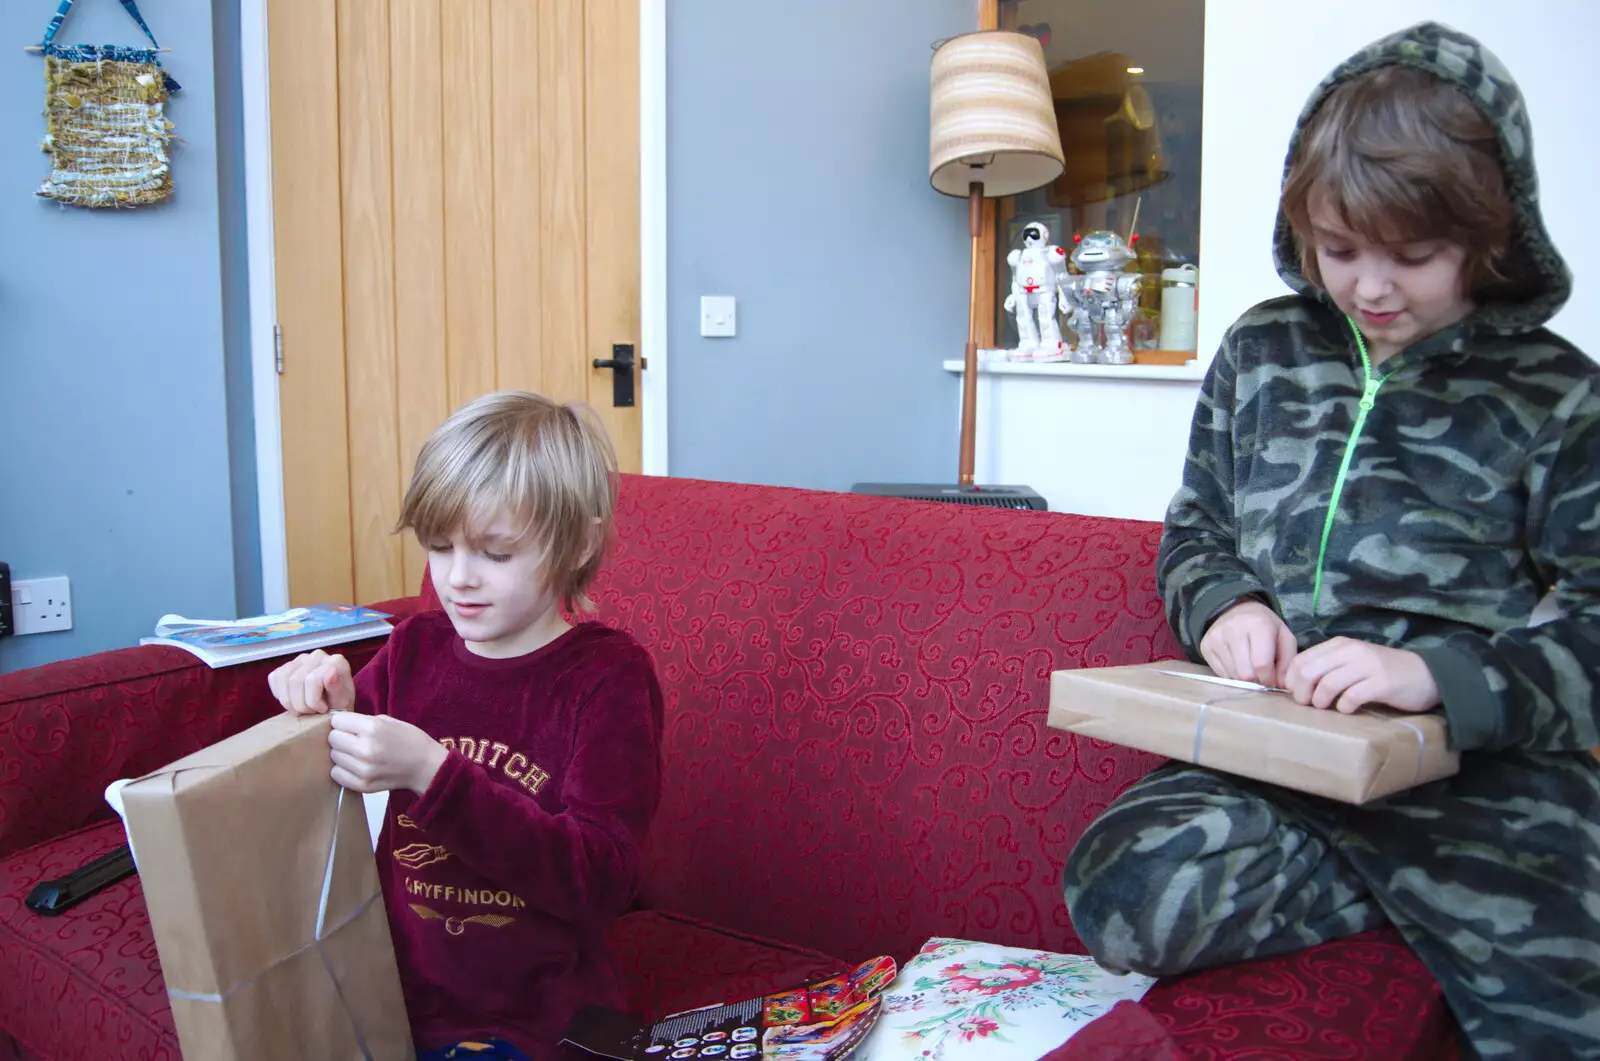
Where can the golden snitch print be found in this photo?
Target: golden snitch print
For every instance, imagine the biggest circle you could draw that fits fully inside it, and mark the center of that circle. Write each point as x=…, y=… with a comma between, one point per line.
x=457, y=925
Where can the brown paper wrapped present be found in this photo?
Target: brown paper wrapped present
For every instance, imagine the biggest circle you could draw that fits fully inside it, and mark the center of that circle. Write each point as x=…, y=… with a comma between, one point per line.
x=264, y=900
x=1258, y=734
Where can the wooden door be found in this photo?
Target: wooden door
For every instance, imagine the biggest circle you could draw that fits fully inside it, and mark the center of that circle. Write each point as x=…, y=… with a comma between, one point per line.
x=456, y=209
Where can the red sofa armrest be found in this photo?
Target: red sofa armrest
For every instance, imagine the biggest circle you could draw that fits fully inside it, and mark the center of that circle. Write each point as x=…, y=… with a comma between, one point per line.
x=69, y=729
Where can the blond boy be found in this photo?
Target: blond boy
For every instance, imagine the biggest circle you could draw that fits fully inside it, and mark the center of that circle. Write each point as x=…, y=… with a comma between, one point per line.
x=521, y=751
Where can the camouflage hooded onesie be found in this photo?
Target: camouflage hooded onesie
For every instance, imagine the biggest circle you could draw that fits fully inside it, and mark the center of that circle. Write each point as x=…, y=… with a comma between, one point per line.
x=1473, y=489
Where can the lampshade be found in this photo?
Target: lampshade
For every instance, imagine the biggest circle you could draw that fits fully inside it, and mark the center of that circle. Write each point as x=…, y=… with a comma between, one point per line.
x=993, y=119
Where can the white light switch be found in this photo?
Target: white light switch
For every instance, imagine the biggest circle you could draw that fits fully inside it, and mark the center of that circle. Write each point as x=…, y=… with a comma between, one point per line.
x=718, y=316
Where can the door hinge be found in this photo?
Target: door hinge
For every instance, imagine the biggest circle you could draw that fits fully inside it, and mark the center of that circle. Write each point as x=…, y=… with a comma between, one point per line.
x=277, y=348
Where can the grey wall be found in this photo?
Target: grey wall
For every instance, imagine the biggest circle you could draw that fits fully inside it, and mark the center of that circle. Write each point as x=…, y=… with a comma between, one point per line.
x=797, y=181
x=115, y=469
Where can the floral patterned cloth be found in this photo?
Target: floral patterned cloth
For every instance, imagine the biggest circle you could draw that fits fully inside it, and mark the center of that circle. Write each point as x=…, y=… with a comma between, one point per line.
x=958, y=999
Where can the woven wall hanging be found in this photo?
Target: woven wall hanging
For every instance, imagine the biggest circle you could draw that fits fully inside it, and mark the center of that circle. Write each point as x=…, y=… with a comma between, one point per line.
x=106, y=128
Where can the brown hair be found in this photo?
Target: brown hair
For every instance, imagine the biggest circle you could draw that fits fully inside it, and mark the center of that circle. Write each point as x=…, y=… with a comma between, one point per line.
x=550, y=464
x=1404, y=157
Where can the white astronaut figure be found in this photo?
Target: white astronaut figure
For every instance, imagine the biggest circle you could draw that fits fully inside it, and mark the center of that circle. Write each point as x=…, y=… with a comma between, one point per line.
x=1102, y=300
x=1036, y=274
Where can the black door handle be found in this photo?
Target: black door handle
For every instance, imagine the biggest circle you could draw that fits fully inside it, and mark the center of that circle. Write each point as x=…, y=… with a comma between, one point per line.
x=621, y=364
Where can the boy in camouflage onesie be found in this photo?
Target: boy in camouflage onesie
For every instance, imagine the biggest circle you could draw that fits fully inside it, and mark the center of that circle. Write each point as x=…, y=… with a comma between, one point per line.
x=1387, y=471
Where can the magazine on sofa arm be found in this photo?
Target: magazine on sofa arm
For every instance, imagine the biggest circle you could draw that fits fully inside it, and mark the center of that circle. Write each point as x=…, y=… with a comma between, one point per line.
x=224, y=643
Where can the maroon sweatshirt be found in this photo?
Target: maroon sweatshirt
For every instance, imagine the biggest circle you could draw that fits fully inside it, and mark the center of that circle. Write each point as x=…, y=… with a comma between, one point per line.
x=502, y=879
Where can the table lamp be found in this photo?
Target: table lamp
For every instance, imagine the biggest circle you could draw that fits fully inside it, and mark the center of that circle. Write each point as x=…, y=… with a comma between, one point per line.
x=993, y=134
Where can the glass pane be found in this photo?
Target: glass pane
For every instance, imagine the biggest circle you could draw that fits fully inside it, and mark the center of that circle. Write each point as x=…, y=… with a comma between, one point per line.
x=1126, y=76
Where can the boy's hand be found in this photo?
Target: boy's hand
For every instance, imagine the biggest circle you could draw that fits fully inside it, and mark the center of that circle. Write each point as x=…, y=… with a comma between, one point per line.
x=1250, y=643
x=313, y=683
x=1346, y=673
x=378, y=753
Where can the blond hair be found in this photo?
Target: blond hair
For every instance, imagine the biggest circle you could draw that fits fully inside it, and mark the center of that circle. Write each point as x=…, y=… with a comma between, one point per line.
x=1404, y=157
x=549, y=464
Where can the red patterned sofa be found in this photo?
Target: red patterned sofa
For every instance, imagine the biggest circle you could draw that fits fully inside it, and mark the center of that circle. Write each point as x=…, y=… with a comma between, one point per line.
x=856, y=760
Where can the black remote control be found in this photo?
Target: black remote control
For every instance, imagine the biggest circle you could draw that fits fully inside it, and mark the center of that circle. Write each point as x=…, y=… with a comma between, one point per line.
x=54, y=896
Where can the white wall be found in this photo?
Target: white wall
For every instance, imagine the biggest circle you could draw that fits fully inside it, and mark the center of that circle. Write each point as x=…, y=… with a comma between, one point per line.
x=1116, y=448
x=1102, y=447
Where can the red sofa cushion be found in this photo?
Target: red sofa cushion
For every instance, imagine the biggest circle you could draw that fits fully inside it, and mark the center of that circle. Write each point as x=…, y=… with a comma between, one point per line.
x=856, y=687
x=1363, y=997
x=1127, y=1033
x=93, y=986
x=671, y=963
x=1370, y=987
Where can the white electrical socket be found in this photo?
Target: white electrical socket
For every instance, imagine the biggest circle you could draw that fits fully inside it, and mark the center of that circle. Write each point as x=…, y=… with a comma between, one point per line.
x=41, y=605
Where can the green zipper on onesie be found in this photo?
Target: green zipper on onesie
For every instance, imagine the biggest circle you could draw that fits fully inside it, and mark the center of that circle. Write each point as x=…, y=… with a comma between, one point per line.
x=1369, y=396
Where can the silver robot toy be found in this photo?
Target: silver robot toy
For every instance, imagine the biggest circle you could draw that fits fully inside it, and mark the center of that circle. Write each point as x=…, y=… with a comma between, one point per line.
x=1101, y=299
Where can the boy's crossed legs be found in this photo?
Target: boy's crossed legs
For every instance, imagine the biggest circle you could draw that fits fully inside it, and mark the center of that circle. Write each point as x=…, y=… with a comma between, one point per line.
x=1190, y=868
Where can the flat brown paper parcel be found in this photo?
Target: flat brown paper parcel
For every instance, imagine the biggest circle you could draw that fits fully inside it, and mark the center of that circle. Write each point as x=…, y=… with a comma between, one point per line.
x=1354, y=758
x=248, y=853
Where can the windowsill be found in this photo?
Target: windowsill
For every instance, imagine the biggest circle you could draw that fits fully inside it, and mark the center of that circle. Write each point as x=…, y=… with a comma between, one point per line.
x=1193, y=372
